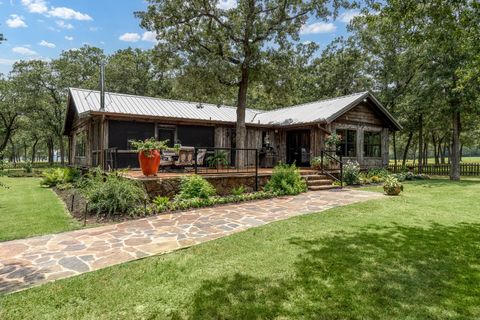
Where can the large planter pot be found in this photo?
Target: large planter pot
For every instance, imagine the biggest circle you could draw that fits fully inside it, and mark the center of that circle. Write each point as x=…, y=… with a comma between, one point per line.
x=392, y=191
x=149, y=163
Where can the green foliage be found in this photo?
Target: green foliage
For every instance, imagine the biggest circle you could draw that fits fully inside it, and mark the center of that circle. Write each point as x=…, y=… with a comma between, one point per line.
x=55, y=176
x=286, y=180
x=379, y=172
x=195, y=186
x=238, y=190
x=148, y=145
x=351, y=172
x=316, y=163
x=219, y=159
x=392, y=186
x=160, y=203
x=113, y=194
x=27, y=167
x=333, y=140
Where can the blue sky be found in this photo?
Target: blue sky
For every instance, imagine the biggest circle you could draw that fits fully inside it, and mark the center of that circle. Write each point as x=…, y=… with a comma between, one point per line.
x=42, y=29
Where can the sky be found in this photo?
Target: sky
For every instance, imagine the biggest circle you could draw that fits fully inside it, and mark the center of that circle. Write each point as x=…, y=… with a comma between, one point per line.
x=42, y=29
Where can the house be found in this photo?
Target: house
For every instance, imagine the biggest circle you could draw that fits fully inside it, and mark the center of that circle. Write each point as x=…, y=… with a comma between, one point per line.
x=291, y=134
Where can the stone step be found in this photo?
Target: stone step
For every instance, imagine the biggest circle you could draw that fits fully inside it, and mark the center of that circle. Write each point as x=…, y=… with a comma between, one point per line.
x=321, y=182
x=312, y=177
x=324, y=187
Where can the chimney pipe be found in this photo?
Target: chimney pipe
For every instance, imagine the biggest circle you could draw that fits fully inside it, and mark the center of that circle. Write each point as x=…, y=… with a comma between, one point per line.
x=102, y=86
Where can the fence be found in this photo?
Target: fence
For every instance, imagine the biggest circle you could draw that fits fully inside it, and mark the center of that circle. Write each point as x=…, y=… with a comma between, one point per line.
x=466, y=169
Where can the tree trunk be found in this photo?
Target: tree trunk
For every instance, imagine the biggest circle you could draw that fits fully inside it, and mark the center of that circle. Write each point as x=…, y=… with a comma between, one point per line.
x=420, y=143
x=455, y=151
x=394, y=148
x=435, y=153
x=34, y=150
x=62, y=150
x=50, y=151
x=405, y=152
x=241, y=130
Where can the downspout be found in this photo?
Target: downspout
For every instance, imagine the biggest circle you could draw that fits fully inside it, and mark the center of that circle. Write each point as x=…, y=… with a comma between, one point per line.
x=102, y=109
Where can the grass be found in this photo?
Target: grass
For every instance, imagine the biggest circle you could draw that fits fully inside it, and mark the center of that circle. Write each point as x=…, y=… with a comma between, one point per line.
x=26, y=210
x=416, y=256
x=432, y=160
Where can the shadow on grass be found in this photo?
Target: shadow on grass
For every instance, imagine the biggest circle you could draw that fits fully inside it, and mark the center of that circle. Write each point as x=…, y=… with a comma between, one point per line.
x=377, y=273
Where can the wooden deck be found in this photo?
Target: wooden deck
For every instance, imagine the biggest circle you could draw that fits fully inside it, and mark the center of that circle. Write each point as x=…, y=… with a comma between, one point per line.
x=220, y=173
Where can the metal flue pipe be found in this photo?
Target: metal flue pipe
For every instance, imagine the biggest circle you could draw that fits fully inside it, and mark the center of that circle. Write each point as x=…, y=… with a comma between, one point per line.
x=102, y=86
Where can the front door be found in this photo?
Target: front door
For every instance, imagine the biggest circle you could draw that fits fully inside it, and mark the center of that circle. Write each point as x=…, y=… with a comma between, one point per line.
x=298, y=147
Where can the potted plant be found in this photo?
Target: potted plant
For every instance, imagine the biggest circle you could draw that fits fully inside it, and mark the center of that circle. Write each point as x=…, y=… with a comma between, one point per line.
x=218, y=160
x=392, y=186
x=332, y=141
x=149, y=154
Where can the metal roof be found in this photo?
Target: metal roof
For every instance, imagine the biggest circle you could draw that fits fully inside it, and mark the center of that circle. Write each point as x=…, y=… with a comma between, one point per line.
x=314, y=112
x=89, y=100
x=318, y=111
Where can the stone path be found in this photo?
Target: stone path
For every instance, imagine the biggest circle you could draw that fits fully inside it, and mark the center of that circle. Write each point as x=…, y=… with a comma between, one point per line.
x=28, y=262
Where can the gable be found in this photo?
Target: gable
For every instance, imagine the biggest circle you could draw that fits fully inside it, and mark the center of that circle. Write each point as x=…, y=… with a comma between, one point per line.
x=363, y=113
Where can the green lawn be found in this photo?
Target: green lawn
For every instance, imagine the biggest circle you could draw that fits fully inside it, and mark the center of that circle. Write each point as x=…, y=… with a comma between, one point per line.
x=416, y=256
x=26, y=210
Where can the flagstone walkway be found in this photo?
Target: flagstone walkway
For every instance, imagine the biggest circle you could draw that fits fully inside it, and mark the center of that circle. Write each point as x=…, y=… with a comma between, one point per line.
x=28, y=262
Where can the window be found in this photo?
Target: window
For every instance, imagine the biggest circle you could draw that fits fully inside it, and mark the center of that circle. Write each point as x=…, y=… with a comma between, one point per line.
x=372, y=144
x=348, y=145
x=80, y=144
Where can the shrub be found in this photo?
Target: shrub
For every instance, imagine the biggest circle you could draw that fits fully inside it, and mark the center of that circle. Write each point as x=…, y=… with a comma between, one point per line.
x=112, y=194
x=195, y=186
x=316, y=163
x=238, y=191
x=27, y=167
x=52, y=177
x=392, y=186
x=286, y=180
x=351, y=172
x=161, y=203
x=379, y=172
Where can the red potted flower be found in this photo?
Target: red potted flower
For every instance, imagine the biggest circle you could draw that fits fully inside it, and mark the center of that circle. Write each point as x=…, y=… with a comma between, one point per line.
x=149, y=154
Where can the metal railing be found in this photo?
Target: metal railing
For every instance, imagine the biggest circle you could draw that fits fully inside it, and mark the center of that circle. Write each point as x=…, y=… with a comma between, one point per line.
x=332, y=165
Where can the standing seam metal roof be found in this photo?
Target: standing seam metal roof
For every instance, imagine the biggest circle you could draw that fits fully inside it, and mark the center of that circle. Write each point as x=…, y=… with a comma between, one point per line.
x=319, y=111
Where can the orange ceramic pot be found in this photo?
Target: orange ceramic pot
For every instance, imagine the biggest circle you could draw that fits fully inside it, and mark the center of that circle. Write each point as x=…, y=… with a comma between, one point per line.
x=149, y=164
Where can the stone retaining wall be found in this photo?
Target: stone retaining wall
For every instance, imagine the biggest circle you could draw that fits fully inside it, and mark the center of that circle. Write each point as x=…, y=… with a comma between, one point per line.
x=224, y=185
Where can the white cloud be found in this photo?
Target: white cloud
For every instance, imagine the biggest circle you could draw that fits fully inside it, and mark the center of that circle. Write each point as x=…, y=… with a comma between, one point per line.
x=16, y=21
x=318, y=27
x=35, y=6
x=68, y=14
x=7, y=62
x=24, y=51
x=44, y=43
x=348, y=15
x=150, y=36
x=64, y=25
x=68, y=38
x=130, y=37
x=226, y=4
x=93, y=29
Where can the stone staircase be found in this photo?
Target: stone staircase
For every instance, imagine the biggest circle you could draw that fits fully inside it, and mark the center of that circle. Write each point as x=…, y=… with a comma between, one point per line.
x=317, y=181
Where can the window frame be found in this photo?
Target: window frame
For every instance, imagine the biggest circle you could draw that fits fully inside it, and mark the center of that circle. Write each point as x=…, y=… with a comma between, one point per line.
x=369, y=146
x=344, y=144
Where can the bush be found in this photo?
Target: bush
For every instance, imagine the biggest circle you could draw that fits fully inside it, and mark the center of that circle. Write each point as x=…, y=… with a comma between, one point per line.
x=112, y=194
x=286, y=180
x=378, y=172
x=195, y=186
x=52, y=177
x=161, y=203
x=351, y=172
x=316, y=163
x=27, y=167
x=238, y=191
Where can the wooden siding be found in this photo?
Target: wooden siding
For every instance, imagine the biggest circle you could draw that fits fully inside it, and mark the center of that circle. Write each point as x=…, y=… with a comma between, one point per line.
x=362, y=113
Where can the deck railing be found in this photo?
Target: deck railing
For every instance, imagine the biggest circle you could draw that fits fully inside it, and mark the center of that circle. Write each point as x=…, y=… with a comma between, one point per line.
x=332, y=165
x=466, y=169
